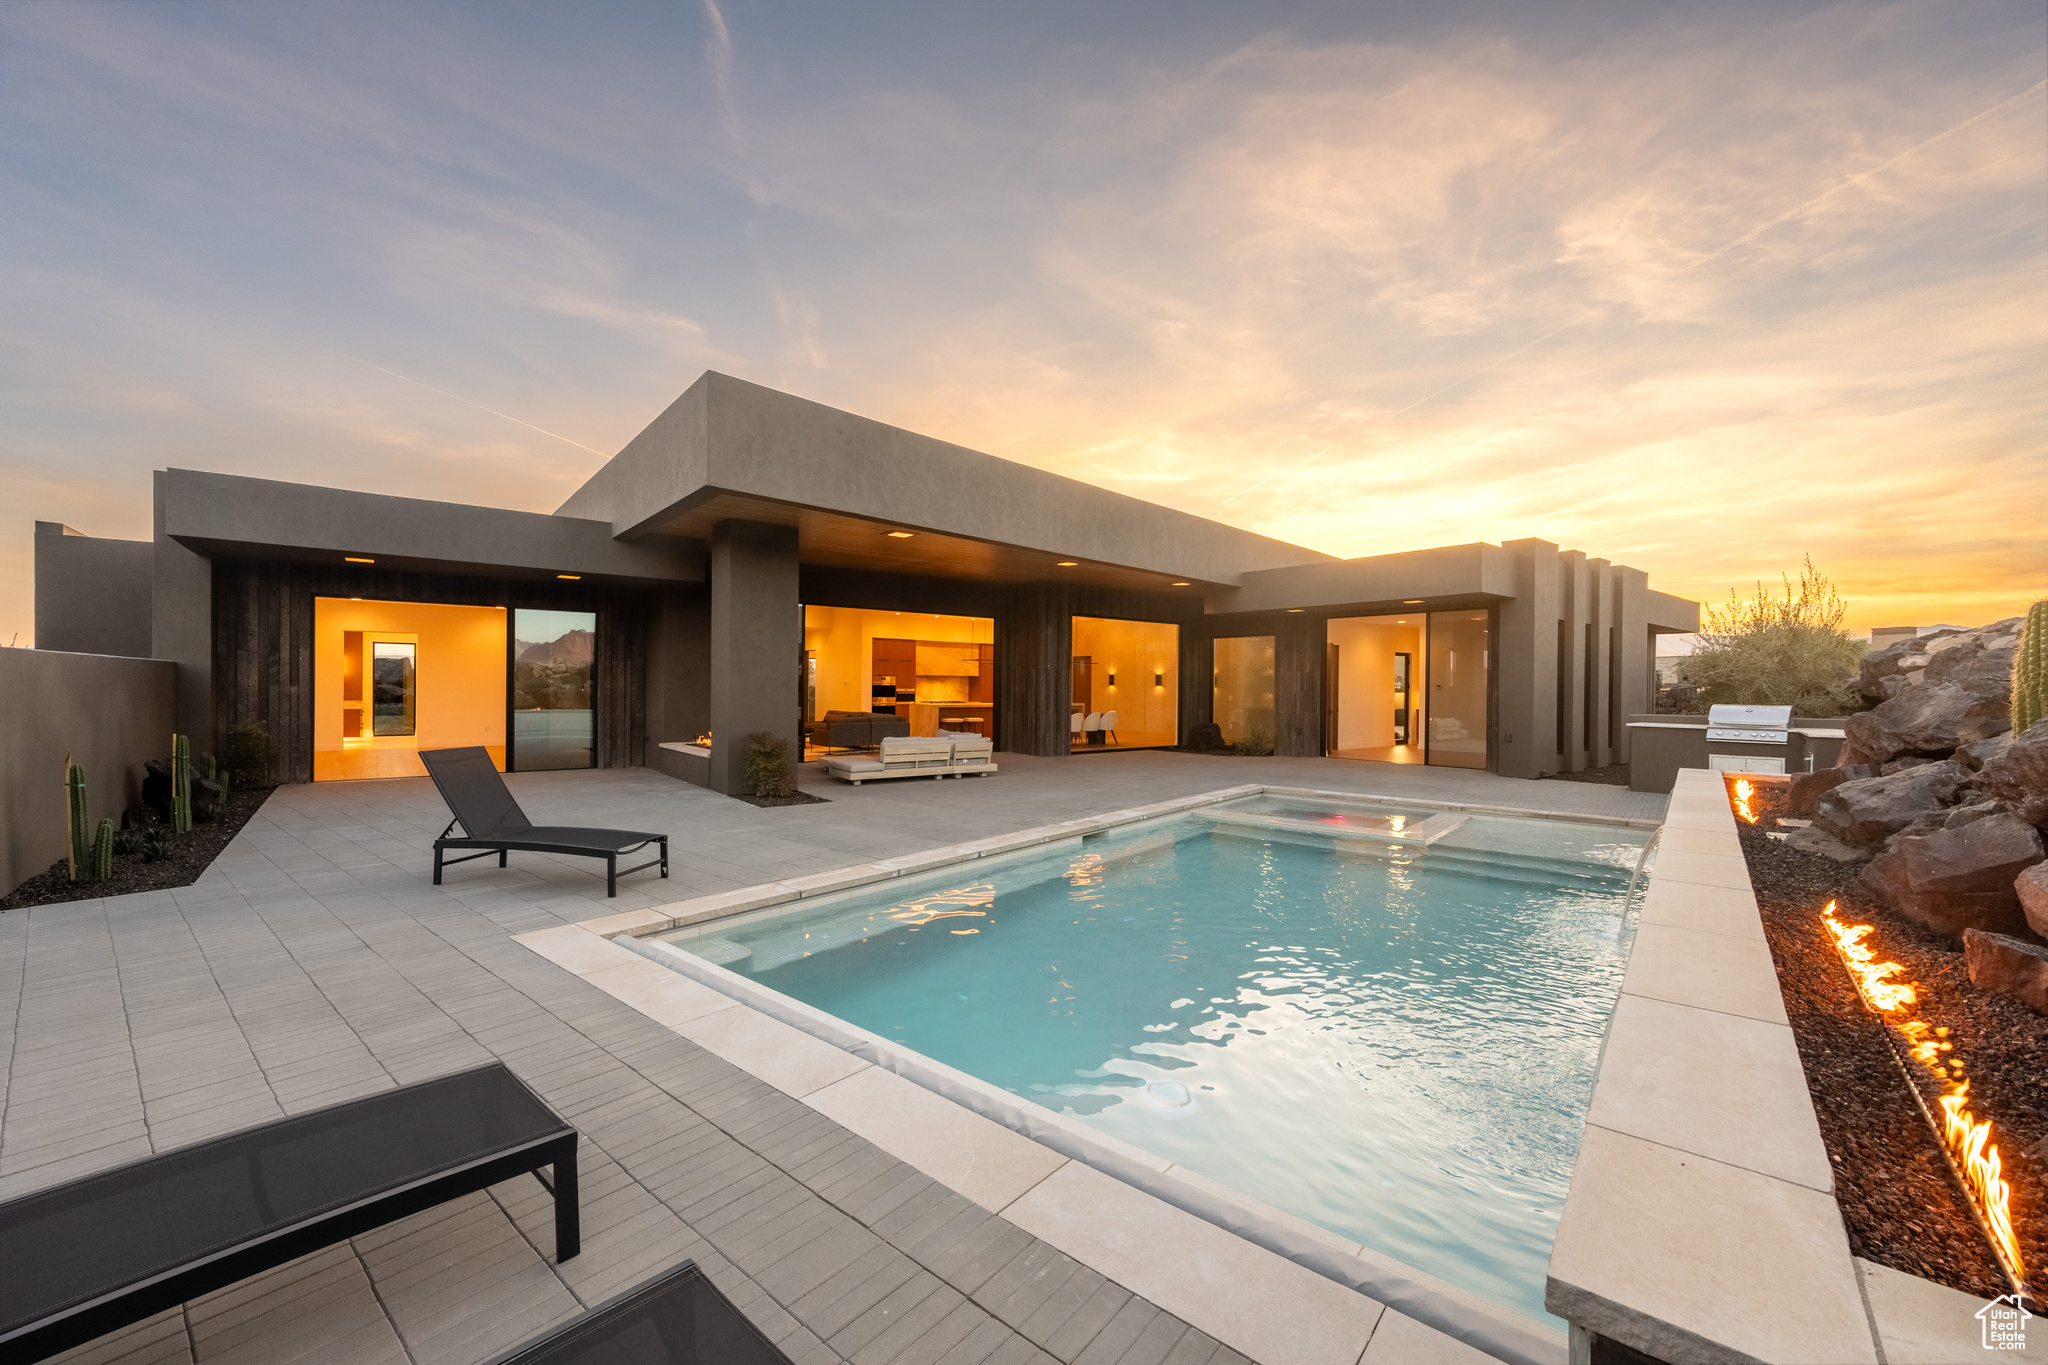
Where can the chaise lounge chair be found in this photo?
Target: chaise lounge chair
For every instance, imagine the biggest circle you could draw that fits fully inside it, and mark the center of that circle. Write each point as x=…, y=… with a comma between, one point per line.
x=676, y=1318
x=492, y=821
x=94, y=1255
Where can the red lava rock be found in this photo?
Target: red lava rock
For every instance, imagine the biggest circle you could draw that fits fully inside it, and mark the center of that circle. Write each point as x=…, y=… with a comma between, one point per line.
x=1808, y=788
x=2032, y=889
x=2019, y=776
x=1900, y=1204
x=2000, y=963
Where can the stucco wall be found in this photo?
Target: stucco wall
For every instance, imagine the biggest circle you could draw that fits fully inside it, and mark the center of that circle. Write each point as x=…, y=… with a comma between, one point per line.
x=110, y=713
x=92, y=593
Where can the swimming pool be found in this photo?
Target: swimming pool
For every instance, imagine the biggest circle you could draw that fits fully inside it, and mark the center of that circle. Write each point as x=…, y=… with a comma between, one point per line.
x=1383, y=1019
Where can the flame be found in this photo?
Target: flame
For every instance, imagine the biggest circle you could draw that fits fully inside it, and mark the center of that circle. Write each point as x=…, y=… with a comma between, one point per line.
x=1745, y=792
x=1968, y=1139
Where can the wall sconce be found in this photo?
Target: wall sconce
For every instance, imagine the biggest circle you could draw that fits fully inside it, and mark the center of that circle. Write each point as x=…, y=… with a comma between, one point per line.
x=1112, y=677
x=1159, y=677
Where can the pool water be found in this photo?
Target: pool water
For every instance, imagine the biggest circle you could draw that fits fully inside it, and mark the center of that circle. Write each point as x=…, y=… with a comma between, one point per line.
x=1384, y=1021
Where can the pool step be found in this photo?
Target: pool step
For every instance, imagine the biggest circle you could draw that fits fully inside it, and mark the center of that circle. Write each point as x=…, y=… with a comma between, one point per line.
x=1423, y=832
x=1515, y=869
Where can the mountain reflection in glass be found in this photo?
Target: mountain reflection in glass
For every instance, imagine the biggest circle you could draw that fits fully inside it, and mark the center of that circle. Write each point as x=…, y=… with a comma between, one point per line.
x=394, y=688
x=554, y=661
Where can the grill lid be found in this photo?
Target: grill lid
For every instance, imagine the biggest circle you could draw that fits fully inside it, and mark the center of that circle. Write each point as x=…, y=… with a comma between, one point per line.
x=1749, y=724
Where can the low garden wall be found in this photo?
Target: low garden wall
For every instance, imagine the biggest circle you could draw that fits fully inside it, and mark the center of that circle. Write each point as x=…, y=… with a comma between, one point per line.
x=110, y=713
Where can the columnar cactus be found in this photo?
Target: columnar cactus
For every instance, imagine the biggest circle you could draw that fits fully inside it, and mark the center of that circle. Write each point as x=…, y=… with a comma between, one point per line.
x=2030, y=670
x=75, y=815
x=102, y=852
x=181, y=785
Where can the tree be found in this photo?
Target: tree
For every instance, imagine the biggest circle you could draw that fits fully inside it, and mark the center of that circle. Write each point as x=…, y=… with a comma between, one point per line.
x=1770, y=650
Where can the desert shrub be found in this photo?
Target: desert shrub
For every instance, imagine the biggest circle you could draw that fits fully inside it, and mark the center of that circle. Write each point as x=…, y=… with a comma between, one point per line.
x=157, y=843
x=1206, y=738
x=128, y=842
x=1255, y=744
x=1772, y=650
x=766, y=765
x=244, y=757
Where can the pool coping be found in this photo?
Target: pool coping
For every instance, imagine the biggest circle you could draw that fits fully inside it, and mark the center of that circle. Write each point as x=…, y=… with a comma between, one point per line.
x=626, y=941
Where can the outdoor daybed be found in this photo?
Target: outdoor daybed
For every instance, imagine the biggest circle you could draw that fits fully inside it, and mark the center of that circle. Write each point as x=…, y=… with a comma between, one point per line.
x=85, y=1258
x=946, y=754
x=676, y=1318
x=492, y=821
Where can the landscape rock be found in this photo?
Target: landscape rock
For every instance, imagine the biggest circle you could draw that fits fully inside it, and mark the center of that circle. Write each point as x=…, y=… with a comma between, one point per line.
x=1900, y=765
x=1931, y=721
x=1957, y=879
x=1999, y=962
x=2019, y=776
x=1866, y=812
x=1974, y=657
x=2032, y=888
x=1826, y=845
x=1975, y=756
x=1964, y=815
x=1807, y=788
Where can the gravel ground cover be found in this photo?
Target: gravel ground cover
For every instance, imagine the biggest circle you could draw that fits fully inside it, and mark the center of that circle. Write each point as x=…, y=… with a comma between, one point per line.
x=191, y=855
x=1902, y=1207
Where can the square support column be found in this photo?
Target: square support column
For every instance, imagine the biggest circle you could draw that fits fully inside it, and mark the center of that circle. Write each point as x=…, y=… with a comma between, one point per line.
x=181, y=629
x=757, y=641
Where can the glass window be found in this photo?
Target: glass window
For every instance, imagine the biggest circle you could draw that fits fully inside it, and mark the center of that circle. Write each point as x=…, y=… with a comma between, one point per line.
x=1243, y=687
x=1125, y=684
x=394, y=688
x=554, y=665
x=1459, y=660
x=870, y=673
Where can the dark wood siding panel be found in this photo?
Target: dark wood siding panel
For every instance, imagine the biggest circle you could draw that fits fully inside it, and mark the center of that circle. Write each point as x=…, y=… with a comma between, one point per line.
x=1298, y=662
x=263, y=645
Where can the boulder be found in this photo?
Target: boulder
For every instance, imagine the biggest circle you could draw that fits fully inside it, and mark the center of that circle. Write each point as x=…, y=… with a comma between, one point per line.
x=1866, y=812
x=2019, y=776
x=1826, y=845
x=2032, y=888
x=1974, y=657
x=1807, y=788
x=1970, y=814
x=1900, y=765
x=1999, y=962
x=1957, y=879
x=1975, y=756
x=1931, y=721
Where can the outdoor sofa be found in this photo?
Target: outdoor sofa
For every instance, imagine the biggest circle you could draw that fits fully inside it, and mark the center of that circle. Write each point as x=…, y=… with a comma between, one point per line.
x=947, y=754
x=676, y=1318
x=492, y=821
x=854, y=729
x=94, y=1255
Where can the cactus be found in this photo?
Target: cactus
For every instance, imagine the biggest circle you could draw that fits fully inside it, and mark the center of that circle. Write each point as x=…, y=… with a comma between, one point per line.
x=76, y=814
x=208, y=768
x=181, y=785
x=102, y=852
x=2030, y=670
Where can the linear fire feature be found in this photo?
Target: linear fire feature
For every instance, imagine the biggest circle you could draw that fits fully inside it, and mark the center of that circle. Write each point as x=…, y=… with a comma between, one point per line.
x=1972, y=1156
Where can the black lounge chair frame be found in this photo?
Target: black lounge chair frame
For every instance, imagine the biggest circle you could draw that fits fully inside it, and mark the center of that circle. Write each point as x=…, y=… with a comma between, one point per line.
x=492, y=821
x=89, y=1241
x=676, y=1318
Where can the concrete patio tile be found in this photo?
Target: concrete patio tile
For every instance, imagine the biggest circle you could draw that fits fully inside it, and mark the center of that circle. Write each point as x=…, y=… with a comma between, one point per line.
x=1703, y=909
x=1920, y=1322
x=1687, y=839
x=1704, y=869
x=1276, y=1312
x=1659, y=1250
x=787, y=1058
x=955, y=1146
x=1734, y=975
x=720, y=904
x=1401, y=1340
x=1713, y=1084
x=626, y=922
x=572, y=949
x=931, y=857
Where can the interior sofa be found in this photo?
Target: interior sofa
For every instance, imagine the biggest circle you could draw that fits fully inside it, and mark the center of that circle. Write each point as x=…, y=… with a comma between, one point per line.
x=854, y=729
x=949, y=753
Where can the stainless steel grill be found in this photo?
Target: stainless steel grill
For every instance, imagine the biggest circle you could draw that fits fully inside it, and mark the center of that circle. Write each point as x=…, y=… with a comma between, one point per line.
x=1748, y=739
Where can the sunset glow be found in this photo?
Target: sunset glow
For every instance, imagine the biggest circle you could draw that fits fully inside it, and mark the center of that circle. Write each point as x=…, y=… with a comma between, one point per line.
x=1693, y=289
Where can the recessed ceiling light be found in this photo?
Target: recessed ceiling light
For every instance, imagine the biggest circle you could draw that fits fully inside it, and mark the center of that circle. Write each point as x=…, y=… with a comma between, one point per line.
x=1411, y=601
x=1067, y=563
x=1297, y=609
x=1183, y=585
x=568, y=575
x=358, y=559
x=899, y=535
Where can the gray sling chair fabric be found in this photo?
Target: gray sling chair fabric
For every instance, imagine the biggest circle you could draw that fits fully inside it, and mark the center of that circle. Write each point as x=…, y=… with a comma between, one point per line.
x=94, y=1255
x=676, y=1318
x=492, y=821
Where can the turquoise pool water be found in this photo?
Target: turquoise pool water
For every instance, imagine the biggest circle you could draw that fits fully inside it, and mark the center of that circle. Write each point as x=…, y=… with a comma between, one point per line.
x=1384, y=1021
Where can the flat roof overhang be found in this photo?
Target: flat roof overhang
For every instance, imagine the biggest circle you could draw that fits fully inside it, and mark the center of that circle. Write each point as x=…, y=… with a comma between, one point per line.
x=841, y=540
x=1222, y=623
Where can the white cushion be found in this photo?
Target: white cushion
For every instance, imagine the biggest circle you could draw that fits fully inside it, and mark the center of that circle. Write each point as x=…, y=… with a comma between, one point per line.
x=853, y=765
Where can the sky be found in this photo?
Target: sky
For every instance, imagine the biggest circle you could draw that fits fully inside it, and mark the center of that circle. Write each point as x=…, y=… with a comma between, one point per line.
x=1701, y=288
